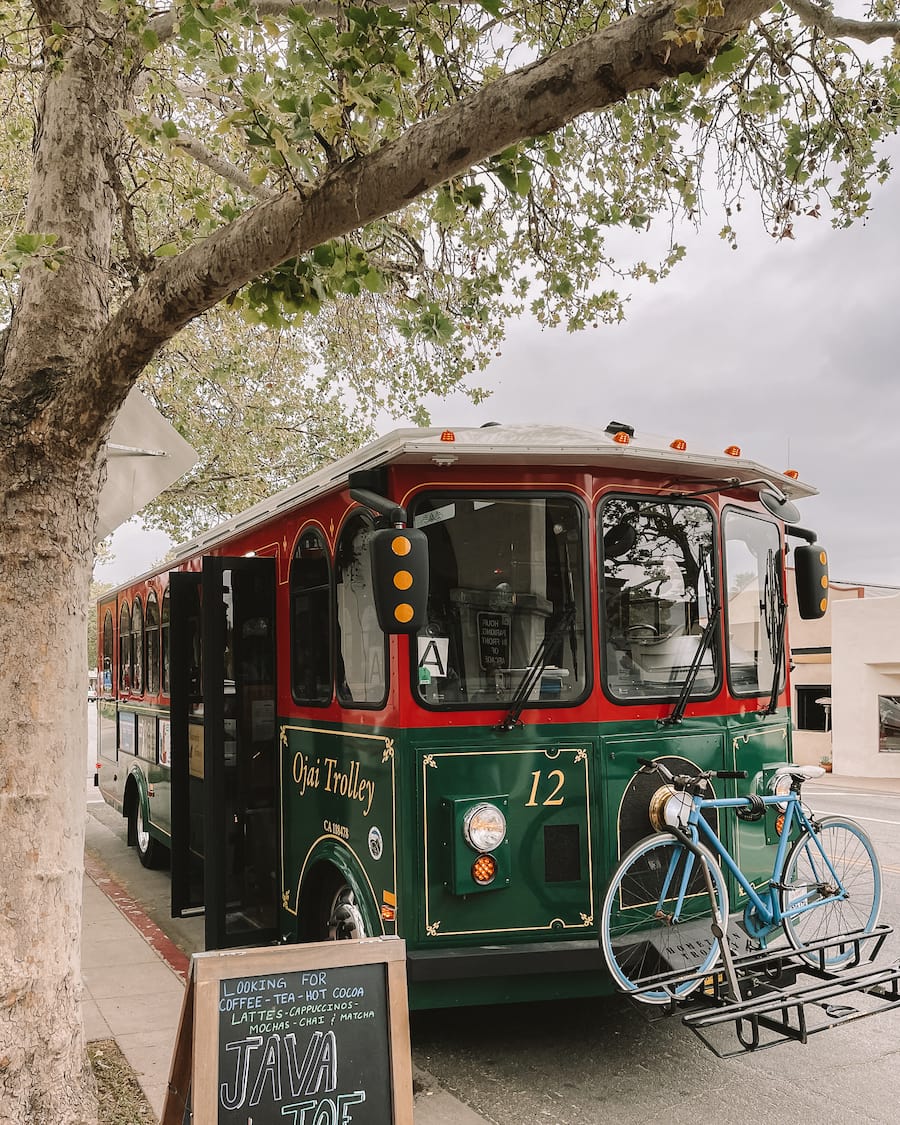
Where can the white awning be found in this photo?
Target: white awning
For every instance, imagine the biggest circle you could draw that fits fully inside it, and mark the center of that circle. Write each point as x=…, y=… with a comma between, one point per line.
x=145, y=454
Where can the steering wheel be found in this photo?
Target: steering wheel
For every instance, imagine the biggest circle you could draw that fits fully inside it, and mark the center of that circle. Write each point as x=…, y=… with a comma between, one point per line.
x=645, y=627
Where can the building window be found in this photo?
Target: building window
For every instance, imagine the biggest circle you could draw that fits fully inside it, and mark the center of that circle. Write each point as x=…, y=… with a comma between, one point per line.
x=889, y=724
x=151, y=630
x=811, y=713
x=311, y=620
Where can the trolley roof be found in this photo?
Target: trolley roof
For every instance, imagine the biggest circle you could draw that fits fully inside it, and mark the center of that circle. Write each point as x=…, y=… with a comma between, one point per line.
x=496, y=444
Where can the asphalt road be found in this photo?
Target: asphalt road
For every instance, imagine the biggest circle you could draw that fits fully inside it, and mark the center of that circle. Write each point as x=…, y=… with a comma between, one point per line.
x=593, y=1061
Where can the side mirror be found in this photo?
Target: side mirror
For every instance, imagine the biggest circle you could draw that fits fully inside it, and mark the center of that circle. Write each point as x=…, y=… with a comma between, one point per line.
x=400, y=578
x=811, y=573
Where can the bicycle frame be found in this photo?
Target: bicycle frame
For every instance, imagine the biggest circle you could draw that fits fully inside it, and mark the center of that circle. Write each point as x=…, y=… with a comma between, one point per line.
x=763, y=912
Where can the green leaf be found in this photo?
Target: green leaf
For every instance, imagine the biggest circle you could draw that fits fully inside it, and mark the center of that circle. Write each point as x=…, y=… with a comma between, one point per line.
x=228, y=64
x=374, y=281
x=168, y=250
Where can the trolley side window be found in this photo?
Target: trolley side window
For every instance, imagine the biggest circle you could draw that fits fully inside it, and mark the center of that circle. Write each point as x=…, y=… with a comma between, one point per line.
x=124, y=648
x=658, y=593
x=137, y=647
x=164, y=640
x=506, y=618
x=107, y=652
x=753, y=618
x=311, y=616
x=151, y=631
x=361, y=645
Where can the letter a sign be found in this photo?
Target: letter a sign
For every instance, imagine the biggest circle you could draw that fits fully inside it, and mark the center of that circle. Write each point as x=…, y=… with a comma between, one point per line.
x=433, y=653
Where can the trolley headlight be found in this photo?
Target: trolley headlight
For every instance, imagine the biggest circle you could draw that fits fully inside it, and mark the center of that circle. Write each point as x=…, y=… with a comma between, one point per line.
x=668, y=808
x=780, y=786
x=484, y=827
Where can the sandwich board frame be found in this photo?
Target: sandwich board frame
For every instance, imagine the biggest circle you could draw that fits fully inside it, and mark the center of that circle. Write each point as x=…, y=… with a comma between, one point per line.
x=263, y=1032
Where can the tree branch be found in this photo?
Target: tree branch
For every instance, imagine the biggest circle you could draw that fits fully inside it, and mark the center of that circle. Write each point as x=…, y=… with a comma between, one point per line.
x=218, y=164
x=636, y=53
x=838, y=27
x=164, y=24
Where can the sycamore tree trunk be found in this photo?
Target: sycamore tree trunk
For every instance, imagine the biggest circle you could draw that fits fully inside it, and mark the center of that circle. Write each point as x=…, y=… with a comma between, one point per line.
x=49, y=481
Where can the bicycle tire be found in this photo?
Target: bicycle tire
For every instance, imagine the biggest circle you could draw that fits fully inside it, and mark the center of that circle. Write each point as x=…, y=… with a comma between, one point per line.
x=852, y=855
x=638, y=943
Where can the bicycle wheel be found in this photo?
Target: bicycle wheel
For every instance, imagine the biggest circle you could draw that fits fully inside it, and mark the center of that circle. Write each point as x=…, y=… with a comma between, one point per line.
x=808, y=879
x=644, y=933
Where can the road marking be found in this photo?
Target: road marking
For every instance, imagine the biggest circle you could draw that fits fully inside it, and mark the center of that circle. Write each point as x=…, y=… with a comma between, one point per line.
x=823, y=789
x=871, y=819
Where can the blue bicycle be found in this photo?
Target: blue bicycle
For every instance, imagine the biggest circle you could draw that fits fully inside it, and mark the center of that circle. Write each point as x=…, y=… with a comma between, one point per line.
x=668, y=899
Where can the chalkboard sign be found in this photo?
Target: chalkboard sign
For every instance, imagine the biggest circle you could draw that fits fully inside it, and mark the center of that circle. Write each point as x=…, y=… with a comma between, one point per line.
x=298, y=1035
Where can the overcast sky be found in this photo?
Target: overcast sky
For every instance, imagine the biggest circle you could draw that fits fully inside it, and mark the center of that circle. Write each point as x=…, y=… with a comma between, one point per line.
x=787, y=349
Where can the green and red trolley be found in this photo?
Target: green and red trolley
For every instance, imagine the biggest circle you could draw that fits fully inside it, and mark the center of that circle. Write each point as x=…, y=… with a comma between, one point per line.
x=408, y=695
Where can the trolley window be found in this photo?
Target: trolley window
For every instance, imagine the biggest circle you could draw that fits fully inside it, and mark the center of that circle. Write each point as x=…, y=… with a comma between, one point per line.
x=107, y=652
x=164, y=641
x=658, y=592
x=361, y=645
x=151, y=629
x=311, y=646
x=124, y=648
x=137, y=647
x=755, y=607
x=506, y=620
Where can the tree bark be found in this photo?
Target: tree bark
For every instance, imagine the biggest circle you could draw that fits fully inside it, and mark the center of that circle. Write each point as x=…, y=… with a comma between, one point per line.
x=49, y=483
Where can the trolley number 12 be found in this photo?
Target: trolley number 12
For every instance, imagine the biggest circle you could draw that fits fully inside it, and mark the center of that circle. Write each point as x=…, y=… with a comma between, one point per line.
x=552, y=787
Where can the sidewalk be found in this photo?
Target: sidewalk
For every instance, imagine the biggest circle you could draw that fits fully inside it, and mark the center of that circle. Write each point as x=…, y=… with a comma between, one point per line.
x=133, y=980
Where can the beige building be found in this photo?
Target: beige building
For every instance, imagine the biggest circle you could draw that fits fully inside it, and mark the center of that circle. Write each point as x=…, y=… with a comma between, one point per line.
x=865, y=638
x=846, y=682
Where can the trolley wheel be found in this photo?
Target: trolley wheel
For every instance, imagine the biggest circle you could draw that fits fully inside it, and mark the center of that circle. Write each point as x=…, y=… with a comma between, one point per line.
x=807, y=877
x=644, y=934
x=150, y=851
x=336, y=913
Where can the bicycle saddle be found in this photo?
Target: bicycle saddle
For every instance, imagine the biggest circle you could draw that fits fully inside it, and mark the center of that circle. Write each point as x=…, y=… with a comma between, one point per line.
x=799, y=773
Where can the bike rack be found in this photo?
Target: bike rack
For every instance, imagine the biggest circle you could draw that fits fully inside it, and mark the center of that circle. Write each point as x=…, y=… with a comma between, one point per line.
x=783, y=996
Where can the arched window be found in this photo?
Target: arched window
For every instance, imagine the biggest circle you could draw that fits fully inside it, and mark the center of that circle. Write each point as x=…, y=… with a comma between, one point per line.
x=311, y=615
x=137, y=647
x=124, y=648
x=361, y=645
x=106, y=669
x=164, y=641
x=151, y=629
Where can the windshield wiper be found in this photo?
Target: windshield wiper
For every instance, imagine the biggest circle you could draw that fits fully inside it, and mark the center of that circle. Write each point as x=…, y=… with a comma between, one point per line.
x=702, y=645
x=689, y=680
x=536, y=667
x=780, y=624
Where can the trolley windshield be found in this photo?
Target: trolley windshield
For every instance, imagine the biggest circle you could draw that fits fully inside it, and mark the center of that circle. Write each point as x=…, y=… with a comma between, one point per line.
x=658, y=593
x=506, y=607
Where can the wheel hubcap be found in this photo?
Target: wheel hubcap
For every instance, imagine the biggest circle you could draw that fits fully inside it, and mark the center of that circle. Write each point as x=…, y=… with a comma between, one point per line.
x=345, y=921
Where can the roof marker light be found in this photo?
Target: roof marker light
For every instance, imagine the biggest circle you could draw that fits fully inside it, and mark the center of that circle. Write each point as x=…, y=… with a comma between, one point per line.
x=621, y=438
x=679, y=443
x=733, y=451
x=448, y=435
x=792, y=473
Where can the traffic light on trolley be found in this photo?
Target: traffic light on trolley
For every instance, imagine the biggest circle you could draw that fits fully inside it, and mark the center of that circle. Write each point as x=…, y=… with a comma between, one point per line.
x=400, y=578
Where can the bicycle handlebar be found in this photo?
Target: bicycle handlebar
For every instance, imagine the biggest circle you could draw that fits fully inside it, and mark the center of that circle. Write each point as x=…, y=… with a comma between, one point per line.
x=667, y=775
